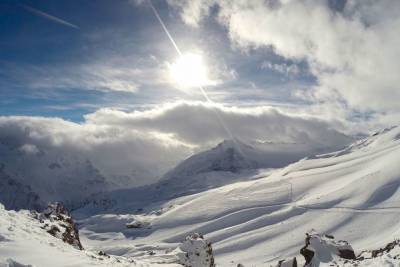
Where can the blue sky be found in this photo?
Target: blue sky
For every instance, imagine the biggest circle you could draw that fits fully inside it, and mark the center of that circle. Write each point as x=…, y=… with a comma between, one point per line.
x=117, y=56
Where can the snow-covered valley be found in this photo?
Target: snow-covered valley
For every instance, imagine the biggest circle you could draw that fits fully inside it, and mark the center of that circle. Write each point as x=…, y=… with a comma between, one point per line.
x=252, y=217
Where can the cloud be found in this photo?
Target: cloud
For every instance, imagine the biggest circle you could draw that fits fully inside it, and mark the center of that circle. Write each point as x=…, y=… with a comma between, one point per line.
x=198, y=123
x=114, y=74
x=192, y=11
x=115, y=151
x=289, y=70
x=141, y=145
x=353, y=50
x=49, y=17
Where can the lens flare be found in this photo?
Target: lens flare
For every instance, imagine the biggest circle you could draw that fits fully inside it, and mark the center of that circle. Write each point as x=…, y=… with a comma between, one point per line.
x=189, y=71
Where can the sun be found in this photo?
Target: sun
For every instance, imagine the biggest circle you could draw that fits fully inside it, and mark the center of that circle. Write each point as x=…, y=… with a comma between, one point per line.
x=189, y=71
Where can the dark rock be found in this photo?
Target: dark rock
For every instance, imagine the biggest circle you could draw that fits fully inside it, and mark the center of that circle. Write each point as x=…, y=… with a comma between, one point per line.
x=288, y=263
x=307, y=254
x=58, y=222
x=196, y=251
x=347, y=254
x=324, y=248
x=368, y=254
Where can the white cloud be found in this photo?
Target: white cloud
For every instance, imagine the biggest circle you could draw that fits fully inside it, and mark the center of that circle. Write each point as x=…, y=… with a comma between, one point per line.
x=116, y=151
x=198, y=123
x=289, y=70
x=193, y=11
x=144, y=144
x=29, y=149
x=111, y=74
x=353, y=53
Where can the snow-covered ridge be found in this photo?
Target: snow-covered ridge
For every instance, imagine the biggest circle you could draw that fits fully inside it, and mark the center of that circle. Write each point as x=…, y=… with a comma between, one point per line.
x=324, y=250
x=354, y=196
x=46, y=172
x=26, y=241
x=228, y=162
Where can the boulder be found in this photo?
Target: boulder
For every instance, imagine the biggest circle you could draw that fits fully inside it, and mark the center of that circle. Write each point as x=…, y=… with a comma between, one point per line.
x=196, y=251
x=324, y=248
x=58, y=222
x=288, y=263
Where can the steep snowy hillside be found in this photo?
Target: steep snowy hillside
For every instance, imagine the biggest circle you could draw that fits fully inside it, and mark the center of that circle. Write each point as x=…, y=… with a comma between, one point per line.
x=228, y=162
x=26, y=241
x=31, y=177
x=352, y=194
x=15, y=195
x=235, y=155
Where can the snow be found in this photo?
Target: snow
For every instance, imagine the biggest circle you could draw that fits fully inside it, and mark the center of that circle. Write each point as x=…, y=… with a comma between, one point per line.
x=259, y=219
x=196, y=251
x=34, y=177
x=353, y=196
x=24, y=243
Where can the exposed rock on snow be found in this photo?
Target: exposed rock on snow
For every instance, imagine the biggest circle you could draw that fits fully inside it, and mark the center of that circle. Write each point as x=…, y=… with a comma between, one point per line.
x=288, y=263
x=389, y=248
x=323, y=248
x=58, y=222
x=196, y=251
x=135, y=223
x=13, y=263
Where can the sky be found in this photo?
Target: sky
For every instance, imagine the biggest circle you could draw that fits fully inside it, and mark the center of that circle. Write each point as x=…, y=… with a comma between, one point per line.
x=95, y=76
x=116, y=54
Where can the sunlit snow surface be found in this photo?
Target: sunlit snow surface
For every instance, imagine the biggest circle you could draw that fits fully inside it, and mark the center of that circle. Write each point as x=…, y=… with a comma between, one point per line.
x=352, y=194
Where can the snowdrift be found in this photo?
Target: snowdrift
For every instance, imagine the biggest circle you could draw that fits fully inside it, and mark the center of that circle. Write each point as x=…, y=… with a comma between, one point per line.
x=352, y=194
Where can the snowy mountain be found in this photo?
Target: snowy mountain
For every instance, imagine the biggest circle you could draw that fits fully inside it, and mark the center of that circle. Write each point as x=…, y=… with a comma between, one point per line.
x=31, y=177
x=228, y=162
x=235, y=156
x=352, y=194
x=15, y=195
x=39, y=167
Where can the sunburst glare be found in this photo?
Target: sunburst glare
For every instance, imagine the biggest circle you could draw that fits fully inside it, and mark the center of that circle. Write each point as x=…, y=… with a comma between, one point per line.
x=189, y=71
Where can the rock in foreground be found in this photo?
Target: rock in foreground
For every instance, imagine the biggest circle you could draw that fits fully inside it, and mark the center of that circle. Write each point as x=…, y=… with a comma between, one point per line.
x=58, y=222
x=196, y=251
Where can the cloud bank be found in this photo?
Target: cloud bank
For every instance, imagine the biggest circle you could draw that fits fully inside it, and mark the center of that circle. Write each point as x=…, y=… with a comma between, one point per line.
x=352, y=47
x=138, y=147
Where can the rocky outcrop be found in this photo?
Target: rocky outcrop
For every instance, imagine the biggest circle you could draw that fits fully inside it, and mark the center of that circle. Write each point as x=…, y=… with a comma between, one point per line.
x=324, y=248
x=288, y=263
x=371, y=254
x=58, y=222
x=195, y=251
x=136, y=223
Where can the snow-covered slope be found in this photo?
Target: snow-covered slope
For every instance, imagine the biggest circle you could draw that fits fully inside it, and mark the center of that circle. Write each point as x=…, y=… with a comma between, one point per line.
x=32, y=177
x=235, y=155
x=15, y=195
x=25, y=242
x=228, y=162
x=353, y=194
x=215, y=167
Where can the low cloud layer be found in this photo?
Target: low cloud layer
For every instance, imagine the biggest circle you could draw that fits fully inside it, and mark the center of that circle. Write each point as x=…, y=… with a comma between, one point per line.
x=352, y=47
x=142, y=145
x=202, y=124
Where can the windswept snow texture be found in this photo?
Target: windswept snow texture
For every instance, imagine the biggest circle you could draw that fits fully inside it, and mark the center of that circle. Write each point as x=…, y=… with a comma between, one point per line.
x=353, y=195
x=228, y=162
x=32, y=177
x=39, y=166
x=24, y=243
